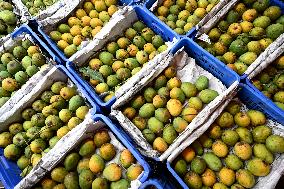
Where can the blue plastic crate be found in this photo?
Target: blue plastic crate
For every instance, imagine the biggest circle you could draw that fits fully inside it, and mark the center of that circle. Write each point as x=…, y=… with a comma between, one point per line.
x=257, y=100
x=193, y=33
x=123, y=138
x=247, y=97
x=157, y=183
x=218, y=69
x=26, y=29
x=9, y=171
x=151, y=22
x=53, y=45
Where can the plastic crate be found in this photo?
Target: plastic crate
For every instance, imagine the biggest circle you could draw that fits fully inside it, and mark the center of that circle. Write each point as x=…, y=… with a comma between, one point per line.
x=218, y=69
x=152, y=23
x=26, y=29
x=157, y=183
x=193, y=33
x=257, y=100
x=9, y=171
x=247, y=96
x=53, y=45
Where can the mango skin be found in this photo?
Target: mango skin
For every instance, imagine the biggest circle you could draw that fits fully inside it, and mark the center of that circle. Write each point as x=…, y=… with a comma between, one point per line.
x=275, y=144
x=260, y=151
x=258, y=167
x=245, y=178
x=212, y=161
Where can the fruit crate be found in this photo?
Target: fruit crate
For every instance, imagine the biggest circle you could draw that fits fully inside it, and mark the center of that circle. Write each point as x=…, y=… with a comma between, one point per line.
x=24, y=33
x=9, y=171
x=42, y=26
x=227, y=79
x=93, y=124
x=150, y=6
x=264, y=53
x=253, y=101
x=245, y=95
x=150, y=22
x=259, y=97
x=156, y=184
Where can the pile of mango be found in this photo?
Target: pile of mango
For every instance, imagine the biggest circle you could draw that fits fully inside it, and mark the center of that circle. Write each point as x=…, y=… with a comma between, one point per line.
x=166, y=106
x=122, y=58
x=17, y=66
x=96, y=163
x=271, y=82
x=182, y=15
x=8, y=18
x=234, y=151
x=49, y=118
x=83, y=25
x=35, y=6
x=245, y=32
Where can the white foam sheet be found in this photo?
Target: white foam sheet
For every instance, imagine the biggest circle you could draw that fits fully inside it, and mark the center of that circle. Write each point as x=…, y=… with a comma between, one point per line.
x=277, y=167
x=14, y=114
x=30, y=84
x=187, y=70
x=68, y=143
x=123, y=21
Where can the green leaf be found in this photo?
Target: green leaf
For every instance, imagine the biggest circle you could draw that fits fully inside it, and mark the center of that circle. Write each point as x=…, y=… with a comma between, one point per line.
x=93, y=74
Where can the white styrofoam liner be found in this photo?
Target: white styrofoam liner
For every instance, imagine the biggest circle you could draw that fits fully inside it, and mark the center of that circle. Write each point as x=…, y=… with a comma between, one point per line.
x=187, y=70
